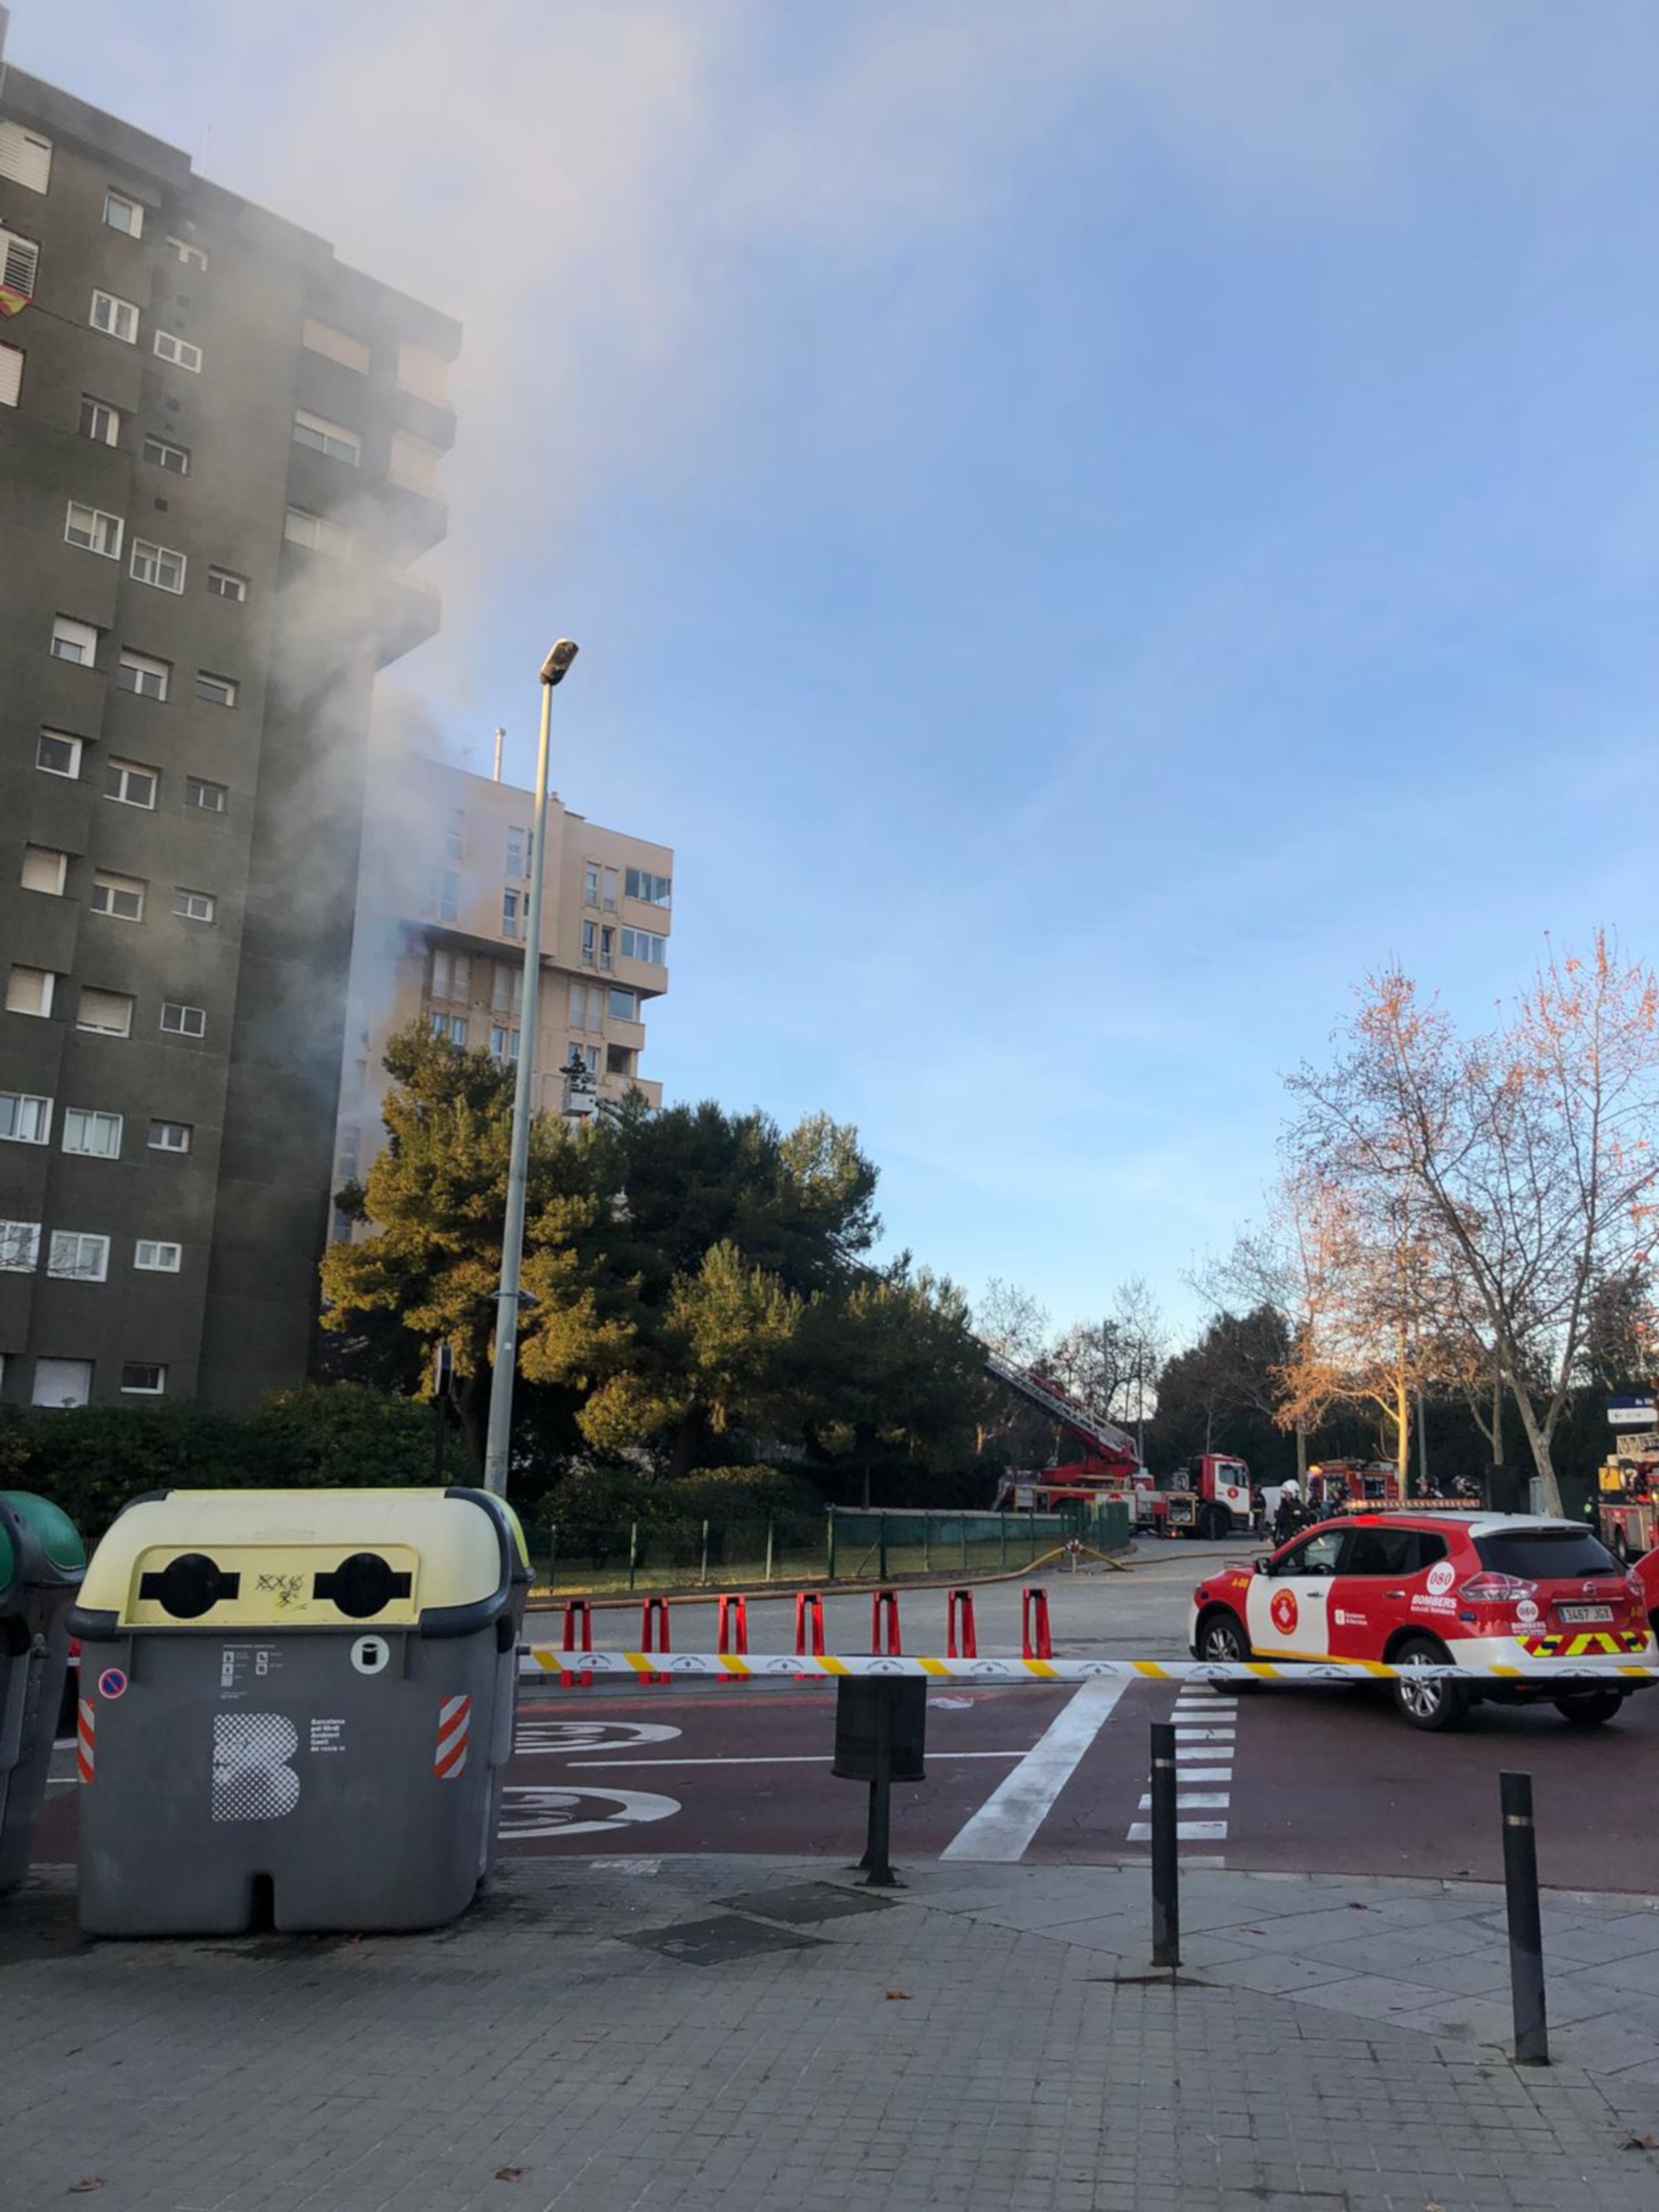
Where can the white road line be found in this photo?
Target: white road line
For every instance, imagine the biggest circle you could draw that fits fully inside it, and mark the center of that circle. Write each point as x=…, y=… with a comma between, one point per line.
x=1185, y=1774
x=1003, y=1827
x=1187, y=1831
x=1194, y=1801
x=790, y=1759
x=1203, y=1735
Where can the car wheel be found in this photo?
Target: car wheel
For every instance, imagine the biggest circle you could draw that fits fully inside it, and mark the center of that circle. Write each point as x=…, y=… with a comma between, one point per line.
x=1215, y=1522
x=1590, y=1708
x=1222, y=1642
x=1435, y=1705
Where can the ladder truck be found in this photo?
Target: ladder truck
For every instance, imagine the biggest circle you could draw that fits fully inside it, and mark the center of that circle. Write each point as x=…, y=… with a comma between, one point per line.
x=1109, y=1467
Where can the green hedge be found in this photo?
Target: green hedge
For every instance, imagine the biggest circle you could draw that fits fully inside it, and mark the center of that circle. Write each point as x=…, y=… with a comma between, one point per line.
x=92, y=1459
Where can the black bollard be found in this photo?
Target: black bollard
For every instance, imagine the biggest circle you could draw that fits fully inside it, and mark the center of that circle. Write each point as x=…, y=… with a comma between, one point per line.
x=1166, y=1873
x=1532, y=2034
x=880, y=1874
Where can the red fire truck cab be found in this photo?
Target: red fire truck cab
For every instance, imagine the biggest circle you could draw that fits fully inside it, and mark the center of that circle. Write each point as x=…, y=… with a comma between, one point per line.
x=1207, y=1496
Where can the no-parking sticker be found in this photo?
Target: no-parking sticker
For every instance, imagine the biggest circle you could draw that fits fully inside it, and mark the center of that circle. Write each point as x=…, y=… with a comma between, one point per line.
x=113, y=1683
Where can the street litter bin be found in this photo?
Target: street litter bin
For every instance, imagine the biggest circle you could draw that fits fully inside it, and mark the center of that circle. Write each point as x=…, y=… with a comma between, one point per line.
x=41, y=1563
x=296, y=1709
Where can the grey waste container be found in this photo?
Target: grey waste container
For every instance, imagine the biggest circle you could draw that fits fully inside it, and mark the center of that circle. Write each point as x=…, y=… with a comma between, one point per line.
x=297, y=1709
x=41, y=1563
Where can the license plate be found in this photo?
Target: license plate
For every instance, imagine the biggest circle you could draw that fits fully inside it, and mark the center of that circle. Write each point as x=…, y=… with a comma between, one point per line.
x=1585, y=1613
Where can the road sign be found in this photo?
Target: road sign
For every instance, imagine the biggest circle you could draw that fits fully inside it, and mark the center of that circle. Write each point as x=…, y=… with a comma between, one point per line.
x=1631, y=1413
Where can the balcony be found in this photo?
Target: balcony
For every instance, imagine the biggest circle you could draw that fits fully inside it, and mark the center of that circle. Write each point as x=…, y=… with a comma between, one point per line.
x=407, y=611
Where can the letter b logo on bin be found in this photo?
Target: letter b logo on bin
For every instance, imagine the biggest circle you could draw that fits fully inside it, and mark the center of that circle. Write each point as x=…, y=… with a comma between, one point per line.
x=251, y=1777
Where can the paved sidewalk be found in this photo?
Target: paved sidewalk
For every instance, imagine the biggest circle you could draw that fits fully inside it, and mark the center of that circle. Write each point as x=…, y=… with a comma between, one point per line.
x=626, y=2035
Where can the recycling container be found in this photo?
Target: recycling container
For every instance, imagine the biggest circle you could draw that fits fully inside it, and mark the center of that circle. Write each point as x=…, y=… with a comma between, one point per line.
x=41, y=1563
x=296, y=1709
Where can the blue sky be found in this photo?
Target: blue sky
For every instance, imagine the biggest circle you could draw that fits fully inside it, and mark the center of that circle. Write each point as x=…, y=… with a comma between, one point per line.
x=1090, y=527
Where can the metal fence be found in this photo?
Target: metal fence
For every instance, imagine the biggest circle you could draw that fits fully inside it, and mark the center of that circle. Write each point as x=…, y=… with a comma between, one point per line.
x=847, y=1544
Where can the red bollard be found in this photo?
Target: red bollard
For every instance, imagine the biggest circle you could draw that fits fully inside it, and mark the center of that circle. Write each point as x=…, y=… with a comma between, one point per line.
x=960, y=1601
x=577, y=1609
x=809, y=1629
x=1035, y=1640
x=654, y=1614
x=884, y=1609
x=734, y=1630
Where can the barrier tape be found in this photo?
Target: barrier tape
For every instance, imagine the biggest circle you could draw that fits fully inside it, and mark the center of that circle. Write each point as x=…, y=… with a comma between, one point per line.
x=541, y=1659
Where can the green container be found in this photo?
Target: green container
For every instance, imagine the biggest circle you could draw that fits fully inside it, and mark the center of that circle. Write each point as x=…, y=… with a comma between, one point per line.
x=42, y=1560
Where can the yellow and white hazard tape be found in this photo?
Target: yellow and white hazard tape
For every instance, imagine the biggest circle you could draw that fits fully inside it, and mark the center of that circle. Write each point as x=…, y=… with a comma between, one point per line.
x=544, y=1659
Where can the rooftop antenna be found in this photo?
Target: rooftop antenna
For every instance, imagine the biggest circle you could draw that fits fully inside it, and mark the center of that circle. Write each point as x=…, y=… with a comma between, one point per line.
x=501, y=739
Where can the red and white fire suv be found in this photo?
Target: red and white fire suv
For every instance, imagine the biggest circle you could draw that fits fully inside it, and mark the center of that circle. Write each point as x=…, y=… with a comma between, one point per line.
x=1421, y=1590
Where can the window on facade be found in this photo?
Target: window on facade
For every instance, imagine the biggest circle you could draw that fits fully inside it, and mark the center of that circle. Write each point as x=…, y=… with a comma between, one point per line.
x=455, y=831
x=94, y=531
x=654, y=891
x=453, y=1026
x=57, y=753
x=226, y=584
x=98, y=1135
x=451, y=974
x=334, y=345
x=507, y=987
x=640, y=945
x=179, y=1020
x=117, y=318
x=211, y=797
x=316, y=533
x=25, y=1118
x=216, y=691
x=191, y=256
x=78, y=1255
x=579, y=1005
x=20, y=262
x=607, y=949
x=165, y=455
x=157, y=565
x=414, y=465
x=194, y=906
x=449, y=896
x=44, y=869
x=123, y=215
x=20, y=1247
x=324, y=437
x=591, y=882
x=179, y=351
x=25, y=157
x=75, y=641
x=11, y=374
x=423, y=372
x=521, y=843
x=130, y=783
x=143, y=1378
x=624, y=1005
x=30, y=991
x=100, y=420
x=619, y=1060
x=156, y=1258
x=504, y=1045
x=105, y=1013
x=138, y=673
x=169, y=1136
x=62, y=1383
x=122, y=897
x=512, y=907
x=589, y=1056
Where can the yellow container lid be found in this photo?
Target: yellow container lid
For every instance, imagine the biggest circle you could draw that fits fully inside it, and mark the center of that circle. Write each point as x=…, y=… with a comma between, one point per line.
x=440, y=1561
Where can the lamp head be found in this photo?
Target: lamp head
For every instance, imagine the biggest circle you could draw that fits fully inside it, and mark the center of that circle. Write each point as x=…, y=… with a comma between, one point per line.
x=557, y=663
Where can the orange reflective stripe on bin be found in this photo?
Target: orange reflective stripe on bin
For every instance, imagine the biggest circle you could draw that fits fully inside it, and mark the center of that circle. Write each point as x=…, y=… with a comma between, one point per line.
x=86, y=1729
x=454, y=1729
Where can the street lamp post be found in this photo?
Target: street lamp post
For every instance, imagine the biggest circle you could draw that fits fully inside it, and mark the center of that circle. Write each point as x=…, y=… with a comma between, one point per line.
x=499, y=1437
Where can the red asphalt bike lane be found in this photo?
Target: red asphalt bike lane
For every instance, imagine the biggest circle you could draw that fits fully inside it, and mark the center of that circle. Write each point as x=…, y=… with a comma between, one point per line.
x=1322, y=1780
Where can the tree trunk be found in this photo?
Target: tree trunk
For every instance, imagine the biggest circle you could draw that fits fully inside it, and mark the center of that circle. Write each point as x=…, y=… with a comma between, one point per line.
x=1302, y=1455
x=686, y=1437
x=472, y=1406
x=1539, y=1440
x=1497, y=1413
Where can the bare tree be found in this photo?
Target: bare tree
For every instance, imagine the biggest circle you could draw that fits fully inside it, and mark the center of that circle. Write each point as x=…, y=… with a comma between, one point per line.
x=1530, y=1150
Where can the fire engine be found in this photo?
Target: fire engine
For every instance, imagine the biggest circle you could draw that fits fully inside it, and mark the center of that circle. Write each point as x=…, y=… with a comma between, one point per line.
x=1628, y=1507
x=1352, y=1486
x=1109, y=1465
x=1207, y=1496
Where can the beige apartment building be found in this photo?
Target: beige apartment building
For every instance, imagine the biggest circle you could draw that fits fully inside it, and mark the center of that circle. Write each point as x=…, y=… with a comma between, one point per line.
x=441, y=918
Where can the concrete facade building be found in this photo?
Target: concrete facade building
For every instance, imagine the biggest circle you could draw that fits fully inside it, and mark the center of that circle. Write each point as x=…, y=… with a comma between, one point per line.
x=218, y=455
x=441, y=937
